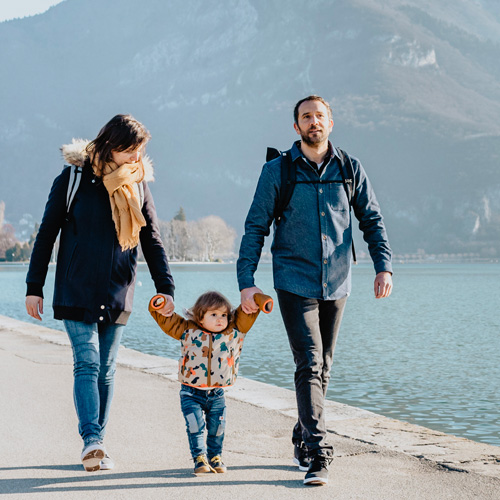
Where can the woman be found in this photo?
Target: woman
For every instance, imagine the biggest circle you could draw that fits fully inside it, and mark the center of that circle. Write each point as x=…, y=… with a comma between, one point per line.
x=110, y=213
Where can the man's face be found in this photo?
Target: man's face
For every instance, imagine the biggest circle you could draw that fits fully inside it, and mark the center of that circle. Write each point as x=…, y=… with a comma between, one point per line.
x=314, y=125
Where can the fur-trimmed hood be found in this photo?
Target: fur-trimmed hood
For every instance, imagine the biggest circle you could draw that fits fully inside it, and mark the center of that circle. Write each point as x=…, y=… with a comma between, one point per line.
x=76, y=154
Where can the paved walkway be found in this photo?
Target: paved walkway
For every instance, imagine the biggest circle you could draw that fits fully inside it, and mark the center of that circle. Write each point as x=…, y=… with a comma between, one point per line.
x=375, y=457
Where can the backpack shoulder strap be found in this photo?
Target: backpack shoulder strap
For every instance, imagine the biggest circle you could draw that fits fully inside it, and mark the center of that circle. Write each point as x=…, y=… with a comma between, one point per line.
x=349, y=186
x=140, y=186
x=349, y=182
x=288, y=181
x=75, y=176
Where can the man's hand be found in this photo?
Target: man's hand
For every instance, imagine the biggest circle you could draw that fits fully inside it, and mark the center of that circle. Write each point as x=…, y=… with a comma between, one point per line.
x=247, y=302
x=383, y=285
x=34, y=306
x=168, y=306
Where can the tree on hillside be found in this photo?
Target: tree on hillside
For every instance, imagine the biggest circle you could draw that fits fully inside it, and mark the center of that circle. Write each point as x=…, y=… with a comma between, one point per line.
x=7, y=237
x=180, y=215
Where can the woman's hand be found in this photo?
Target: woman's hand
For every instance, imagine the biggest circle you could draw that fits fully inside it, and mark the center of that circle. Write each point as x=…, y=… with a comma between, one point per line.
x=168, y=306
x=34, y=306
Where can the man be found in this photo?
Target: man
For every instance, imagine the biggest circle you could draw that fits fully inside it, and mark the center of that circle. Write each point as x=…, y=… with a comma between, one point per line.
x=312, y=264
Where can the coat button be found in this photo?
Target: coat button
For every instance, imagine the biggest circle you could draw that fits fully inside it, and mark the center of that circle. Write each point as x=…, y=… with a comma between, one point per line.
x=324, y=236
x=324, y=285
x=101, y=318
x=321, y=191
x=103, y=307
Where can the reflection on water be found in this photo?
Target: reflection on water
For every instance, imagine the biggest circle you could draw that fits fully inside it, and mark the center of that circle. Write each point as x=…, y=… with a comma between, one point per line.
x=428, y=355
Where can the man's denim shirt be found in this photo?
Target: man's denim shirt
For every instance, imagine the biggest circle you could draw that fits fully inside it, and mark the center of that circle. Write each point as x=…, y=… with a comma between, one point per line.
x=312, y=244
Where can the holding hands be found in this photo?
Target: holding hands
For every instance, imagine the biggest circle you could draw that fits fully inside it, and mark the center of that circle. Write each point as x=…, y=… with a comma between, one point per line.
x=248, y=303
x=165, y=308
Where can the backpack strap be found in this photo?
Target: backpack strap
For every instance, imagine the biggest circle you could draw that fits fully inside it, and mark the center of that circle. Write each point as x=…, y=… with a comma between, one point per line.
x=288, y=181
x=349, y=186
x=75, y=176
x=140, y=186
x=349, y=183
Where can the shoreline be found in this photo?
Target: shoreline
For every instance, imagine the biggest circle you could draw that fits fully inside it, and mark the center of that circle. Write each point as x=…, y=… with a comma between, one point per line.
x=445, y=450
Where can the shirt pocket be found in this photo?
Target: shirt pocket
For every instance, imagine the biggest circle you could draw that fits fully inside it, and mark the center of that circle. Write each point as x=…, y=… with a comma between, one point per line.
x=338, y=208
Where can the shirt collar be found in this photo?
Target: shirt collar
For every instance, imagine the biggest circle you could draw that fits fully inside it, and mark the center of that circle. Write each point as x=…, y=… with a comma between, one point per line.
x=296, y=152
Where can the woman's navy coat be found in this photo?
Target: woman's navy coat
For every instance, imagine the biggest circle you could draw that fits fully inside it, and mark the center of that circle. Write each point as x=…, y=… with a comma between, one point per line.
x=95, y=279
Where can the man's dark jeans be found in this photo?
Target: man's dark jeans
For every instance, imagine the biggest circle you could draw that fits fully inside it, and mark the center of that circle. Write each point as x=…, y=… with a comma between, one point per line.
x=312, y=326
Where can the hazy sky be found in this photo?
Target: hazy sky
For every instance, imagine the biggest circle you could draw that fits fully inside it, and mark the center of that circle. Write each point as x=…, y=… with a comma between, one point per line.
x=10, y=9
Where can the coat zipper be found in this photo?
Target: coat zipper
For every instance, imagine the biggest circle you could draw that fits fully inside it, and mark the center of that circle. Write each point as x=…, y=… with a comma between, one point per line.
x=209, y=365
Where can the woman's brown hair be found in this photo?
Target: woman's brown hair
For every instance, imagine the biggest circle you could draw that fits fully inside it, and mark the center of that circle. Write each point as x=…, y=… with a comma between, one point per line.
x=208, y=302
x=121, y=133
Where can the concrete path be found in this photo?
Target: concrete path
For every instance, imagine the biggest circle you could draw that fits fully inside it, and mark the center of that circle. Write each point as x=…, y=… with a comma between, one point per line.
x=375, y=457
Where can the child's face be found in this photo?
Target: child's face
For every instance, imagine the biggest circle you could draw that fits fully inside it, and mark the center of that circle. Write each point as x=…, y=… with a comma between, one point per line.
x=215, y=320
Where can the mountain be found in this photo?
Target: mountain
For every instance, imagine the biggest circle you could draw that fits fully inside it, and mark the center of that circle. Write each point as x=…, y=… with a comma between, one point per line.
x=414, y=86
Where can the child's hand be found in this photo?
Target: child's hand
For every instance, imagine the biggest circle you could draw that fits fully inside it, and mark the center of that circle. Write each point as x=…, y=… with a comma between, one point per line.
x=167, y=305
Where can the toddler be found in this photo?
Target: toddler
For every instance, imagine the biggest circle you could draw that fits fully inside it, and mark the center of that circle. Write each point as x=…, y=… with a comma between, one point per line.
x=211, y=341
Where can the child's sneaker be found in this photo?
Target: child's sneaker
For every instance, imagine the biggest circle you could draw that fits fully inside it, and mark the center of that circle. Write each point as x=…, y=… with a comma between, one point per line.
x=107, y=463
x=201, y=465
x=92, y=455
x=217, y=464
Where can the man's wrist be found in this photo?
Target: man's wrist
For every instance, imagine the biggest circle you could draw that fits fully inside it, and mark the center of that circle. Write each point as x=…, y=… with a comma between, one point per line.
x=243, y=285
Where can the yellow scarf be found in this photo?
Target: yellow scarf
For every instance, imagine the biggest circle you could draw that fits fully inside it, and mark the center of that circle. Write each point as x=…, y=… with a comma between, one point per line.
x=121, y=184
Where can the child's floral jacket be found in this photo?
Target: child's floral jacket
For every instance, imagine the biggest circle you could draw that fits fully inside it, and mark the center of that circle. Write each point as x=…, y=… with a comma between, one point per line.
x=210, y=360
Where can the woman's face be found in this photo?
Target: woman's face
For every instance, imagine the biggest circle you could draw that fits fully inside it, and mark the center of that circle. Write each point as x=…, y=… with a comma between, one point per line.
x=131, y=155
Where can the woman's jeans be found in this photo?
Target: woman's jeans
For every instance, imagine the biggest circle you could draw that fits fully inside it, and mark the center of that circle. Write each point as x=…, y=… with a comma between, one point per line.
x=312, y=326
x=95, y=348
x=204, y=409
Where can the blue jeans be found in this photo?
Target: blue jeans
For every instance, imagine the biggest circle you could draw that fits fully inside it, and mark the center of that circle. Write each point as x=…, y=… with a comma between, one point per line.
x=204, y=409
x=312, y=326
x=95, y=348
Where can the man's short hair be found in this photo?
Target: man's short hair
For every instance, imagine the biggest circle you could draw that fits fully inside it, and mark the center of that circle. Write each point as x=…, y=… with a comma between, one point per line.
x=311, y=98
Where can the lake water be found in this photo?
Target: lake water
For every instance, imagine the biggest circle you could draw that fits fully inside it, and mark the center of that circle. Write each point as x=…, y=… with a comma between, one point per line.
x=430, y=354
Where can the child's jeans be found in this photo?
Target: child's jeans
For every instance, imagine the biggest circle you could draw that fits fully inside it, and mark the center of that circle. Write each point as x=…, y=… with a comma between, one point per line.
x=204, y=408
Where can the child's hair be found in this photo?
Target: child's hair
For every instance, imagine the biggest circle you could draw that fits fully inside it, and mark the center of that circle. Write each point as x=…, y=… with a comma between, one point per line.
x=209, y=301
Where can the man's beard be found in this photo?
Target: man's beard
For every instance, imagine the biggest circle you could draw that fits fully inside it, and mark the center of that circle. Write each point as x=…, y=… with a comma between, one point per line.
x=317, y=139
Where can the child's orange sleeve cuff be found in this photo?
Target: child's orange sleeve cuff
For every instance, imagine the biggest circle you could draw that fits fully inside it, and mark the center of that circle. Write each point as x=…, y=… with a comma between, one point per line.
x=157, y=302
x=264, y=302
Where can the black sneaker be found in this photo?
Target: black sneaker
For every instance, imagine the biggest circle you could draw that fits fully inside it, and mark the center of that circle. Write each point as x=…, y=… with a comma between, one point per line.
x=300, y=457
x=317, y=475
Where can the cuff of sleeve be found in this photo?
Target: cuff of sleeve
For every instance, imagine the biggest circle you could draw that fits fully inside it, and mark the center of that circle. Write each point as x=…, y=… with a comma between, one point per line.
x=156, y=302
x=34, y=289
x=264, y=302
x=166, y=290
x=383, y=267
x=245, y=283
